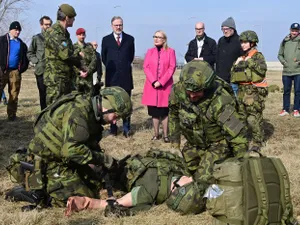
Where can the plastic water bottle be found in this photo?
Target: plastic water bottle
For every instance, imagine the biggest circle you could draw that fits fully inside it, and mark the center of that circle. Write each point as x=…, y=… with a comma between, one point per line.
x=213, y=191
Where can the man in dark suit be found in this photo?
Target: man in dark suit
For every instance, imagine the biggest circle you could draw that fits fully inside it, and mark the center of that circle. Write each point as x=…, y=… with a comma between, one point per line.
x=202, y=47
x=99, y=61
x=117, y=55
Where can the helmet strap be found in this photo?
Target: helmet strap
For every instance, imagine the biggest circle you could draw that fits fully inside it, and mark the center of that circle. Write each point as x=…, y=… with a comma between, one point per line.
x=97, y=107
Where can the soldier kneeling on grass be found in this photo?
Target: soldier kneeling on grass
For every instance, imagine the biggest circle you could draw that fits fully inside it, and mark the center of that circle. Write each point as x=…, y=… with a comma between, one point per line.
x=64, y=158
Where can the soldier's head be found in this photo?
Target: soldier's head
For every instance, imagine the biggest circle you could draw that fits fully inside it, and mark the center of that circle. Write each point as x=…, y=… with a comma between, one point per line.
x=248, y=39
x=15, y=29
x=115, y=104
x=66, y=14
x=187, y=199
x=117, y=25
x=199, y=29
x=45, y=22
x=80, y=34
x=294, y=30
x=197, y=77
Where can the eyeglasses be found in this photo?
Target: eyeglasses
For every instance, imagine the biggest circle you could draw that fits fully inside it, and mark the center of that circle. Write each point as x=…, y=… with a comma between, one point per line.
x=161, y=38
x=226, y=29
x=118, y=25
x=199, y=28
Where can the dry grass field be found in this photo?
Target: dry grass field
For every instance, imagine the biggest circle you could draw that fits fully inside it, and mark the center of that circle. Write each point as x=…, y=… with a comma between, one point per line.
x=283, y=140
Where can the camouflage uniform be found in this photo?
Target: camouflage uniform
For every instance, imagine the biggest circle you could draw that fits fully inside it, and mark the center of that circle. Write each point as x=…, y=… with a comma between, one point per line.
x=213, y=127
x=60, y=59
x=250, y=76
x=86, y=84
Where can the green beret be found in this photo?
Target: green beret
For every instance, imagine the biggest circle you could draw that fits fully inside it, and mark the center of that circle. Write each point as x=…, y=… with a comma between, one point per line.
x=68, y=10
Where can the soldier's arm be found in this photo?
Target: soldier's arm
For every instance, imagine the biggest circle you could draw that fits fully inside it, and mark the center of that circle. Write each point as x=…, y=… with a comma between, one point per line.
x=258, y=63
x=174, y=127
x=75, y=137
x=92, y=67
x=226, y=113
x=281, y=54
x=31, y=54
x=60, y=47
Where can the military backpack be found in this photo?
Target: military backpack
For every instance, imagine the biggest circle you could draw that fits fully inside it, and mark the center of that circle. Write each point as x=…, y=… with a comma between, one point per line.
x=254, y=191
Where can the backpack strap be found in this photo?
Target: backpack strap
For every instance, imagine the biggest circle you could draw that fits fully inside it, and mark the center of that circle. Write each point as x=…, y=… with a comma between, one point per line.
x=261, y=191
x=285, y=196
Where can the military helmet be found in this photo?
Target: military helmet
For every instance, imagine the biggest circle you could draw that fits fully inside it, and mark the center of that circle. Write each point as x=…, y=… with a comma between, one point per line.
x=68, y=10
x=187, y=199
x=197, y=76
x=117, y=100
x=249, y=36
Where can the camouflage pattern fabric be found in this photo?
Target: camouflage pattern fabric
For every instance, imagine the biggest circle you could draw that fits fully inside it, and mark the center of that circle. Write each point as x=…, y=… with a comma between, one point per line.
x=214, y=128
x=66, y=139
x=249, y=36
x=59, y=59
x=253, y=98
x=85, y=85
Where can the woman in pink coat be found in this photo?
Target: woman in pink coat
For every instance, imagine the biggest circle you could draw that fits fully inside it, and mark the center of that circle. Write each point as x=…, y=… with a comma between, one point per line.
x=159, y=67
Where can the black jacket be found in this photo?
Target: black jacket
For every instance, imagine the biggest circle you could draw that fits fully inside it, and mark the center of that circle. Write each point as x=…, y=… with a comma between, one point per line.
x=4, y=54
x=118, y=60
x=228, y=50
x=99, y=66
x=209, y=50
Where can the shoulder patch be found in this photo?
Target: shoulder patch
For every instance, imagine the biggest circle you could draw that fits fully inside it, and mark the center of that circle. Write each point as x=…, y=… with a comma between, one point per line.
x=64, y=44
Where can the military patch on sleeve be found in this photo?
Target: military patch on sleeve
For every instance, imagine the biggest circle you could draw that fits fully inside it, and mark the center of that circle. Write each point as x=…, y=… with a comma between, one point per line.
x=64, y=44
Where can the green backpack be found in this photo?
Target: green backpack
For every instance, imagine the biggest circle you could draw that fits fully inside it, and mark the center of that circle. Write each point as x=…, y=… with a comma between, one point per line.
x=255, y=191
x=166, y=163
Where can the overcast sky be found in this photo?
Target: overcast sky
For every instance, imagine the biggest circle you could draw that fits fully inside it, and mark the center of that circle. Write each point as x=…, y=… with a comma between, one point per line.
x=271, y=20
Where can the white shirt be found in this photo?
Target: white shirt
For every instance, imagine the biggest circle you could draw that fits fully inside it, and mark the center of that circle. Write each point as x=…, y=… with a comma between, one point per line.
x=199, y=45
x=116, y=36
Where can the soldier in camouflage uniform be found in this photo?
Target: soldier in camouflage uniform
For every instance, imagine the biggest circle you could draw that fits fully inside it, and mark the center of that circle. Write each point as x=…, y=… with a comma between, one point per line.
x=59, y=55
x=85, y=84
x=249, y=72
x=203, y=108
x=157, y=177
x=65, y=150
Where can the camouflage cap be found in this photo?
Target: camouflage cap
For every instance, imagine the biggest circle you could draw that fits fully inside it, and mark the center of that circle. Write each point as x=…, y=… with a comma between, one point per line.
x=118, y=99
x=187, y=199
x=197, y=76
x=249, y=36
x=68, y=10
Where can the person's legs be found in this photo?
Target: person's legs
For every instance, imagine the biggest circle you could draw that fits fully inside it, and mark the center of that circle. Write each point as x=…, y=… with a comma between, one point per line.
x=126, y=122
x=165, y=128
x=297, y=92
x=42, y=90
x=156, y=128
x=287, y=86
x=14, y=86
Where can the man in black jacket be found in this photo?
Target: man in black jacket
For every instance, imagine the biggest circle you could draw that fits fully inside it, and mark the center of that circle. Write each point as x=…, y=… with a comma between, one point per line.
x=13, y=62
x=228, y=50
x=99, y=61
x=202, y=47
x=117, y=55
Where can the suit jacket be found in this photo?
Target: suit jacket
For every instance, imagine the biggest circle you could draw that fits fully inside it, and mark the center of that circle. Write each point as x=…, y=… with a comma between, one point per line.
x=158, y=66
x=118, y=60
x=209, y=50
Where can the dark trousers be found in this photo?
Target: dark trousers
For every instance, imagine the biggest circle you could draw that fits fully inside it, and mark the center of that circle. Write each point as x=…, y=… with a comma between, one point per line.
x=42, y=90
x=126, y=123
x=287, y=87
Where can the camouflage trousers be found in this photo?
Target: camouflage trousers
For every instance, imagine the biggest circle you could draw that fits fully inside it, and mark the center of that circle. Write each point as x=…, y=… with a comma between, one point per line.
x=200, y=162
x=253, y=100
x=56, y=89
x=13, y=79
x=64, y=182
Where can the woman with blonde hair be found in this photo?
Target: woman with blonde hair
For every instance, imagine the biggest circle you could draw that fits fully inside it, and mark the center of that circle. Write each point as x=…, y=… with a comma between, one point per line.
x=159, y=68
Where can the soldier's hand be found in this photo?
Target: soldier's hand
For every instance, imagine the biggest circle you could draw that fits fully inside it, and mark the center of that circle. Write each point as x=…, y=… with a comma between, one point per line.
x=83, y=74
x=81, y=54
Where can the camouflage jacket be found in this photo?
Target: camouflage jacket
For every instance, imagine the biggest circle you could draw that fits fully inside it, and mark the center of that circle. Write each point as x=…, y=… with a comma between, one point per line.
x=36, y=53
x=59, y=55
x=216, y=118
x=67, y=132
x=253, y=69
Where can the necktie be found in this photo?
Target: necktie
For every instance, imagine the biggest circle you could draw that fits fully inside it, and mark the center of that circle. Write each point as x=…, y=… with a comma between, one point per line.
x=118, y=40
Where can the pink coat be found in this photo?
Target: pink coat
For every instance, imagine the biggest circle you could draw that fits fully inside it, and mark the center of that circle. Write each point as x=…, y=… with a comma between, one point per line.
x=159, y=69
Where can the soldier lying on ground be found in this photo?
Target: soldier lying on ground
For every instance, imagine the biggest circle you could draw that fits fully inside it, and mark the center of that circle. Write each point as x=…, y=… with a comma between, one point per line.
x=65, y=149
x=158, y=177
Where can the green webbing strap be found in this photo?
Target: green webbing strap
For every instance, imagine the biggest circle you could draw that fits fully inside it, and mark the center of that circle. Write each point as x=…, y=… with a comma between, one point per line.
x=229, y=221
x=285, y=197
x=163, y=189
x=179, y=197
x=260, y=190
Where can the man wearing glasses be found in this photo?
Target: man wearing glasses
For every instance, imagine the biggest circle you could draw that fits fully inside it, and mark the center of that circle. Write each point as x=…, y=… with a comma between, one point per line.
x=202, y=47
x=228, y=50
x=36, y=54
x=117, y=55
